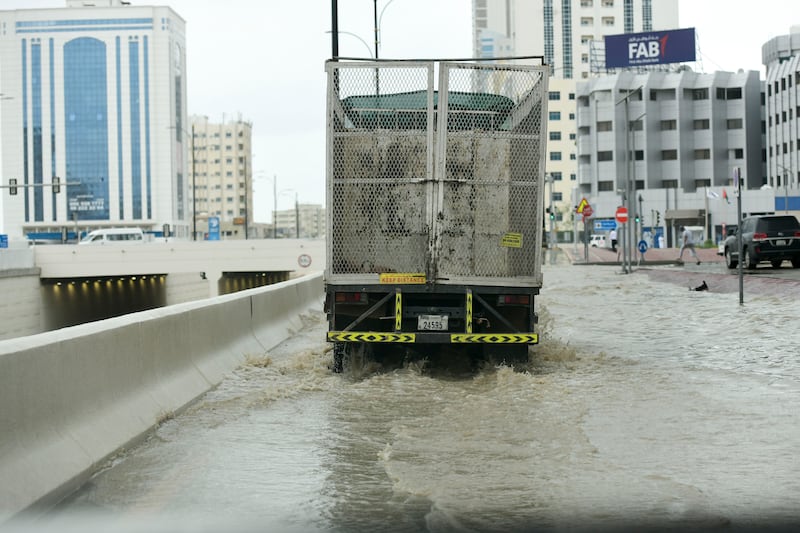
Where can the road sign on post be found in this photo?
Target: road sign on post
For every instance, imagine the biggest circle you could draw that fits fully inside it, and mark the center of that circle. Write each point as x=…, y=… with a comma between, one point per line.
x=587, y=211
x=621, y=215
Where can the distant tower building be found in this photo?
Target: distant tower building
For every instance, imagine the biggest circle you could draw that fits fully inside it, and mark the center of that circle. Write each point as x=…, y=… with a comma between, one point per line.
x=222, y=176
x=93, y=98
x=563, y=30
x=781, y=56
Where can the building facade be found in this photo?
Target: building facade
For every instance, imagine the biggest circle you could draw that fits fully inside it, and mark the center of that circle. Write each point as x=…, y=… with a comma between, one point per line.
x=781, y=57
x=565, y=33
x=93, y=119
x=563, y=30
x=221, y=177
x=671, y=140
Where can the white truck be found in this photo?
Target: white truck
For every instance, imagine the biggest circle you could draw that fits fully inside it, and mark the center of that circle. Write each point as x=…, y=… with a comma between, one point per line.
x=435, y=185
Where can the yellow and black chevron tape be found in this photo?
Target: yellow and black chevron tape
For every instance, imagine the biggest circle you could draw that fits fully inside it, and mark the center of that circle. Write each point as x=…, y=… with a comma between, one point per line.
x=495, y=338
x=370, y=336
x=398, y=311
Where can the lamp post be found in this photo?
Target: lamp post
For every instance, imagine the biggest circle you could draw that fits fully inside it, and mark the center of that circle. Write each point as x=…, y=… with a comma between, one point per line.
x=194, y=184
x=628, y=240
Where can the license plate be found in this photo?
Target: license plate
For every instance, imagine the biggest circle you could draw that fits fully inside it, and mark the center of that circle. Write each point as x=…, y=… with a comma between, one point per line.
x=432, y=322
x=781, y=242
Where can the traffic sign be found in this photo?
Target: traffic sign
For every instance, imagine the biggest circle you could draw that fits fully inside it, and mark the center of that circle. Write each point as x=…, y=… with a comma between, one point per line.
x=605, y=225
x=621, y=215
x=642, y=246
x=587, y=211
x=582, y=206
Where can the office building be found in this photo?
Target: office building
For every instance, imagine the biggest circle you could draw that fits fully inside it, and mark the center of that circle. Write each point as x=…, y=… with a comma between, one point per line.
x=781, y=57
x=675, y=137
x=222, y=176
x=568, y=34
x=93, y=119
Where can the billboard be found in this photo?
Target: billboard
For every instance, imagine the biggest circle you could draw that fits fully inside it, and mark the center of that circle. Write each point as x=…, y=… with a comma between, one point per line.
x=650, y=48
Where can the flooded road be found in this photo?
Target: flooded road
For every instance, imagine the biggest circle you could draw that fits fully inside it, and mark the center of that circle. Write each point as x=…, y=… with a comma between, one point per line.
x=645, y=405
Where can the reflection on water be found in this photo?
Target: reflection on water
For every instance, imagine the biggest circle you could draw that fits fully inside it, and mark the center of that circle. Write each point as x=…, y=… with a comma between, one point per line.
x=645, y=404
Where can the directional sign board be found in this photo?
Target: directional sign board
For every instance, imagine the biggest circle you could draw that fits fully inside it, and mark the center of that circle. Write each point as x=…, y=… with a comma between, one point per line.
x=642, y=246
x=605, y=225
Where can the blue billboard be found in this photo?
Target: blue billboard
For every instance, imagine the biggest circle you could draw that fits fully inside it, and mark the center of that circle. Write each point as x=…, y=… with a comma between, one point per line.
x=650, y=48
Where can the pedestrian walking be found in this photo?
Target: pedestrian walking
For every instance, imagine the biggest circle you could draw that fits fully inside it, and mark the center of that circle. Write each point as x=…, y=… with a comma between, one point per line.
x=613, y=237
x=687, y=243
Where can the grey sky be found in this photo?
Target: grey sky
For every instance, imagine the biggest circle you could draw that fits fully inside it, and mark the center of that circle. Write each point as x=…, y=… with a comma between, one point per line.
x=264, y=61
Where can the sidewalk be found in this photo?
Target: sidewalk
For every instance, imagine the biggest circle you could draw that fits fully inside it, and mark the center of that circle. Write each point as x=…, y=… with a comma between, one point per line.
x=653, y=256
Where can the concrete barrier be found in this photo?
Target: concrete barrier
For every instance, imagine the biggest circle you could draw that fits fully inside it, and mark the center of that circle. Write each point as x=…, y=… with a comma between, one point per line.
x=71, y=398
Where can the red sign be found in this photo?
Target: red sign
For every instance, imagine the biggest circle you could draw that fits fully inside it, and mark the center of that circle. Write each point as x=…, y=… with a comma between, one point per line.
x=621, y=215
x=587, y=211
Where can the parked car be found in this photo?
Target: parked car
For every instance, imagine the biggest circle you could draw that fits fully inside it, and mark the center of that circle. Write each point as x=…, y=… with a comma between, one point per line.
x=597, y=241
x=772, y=238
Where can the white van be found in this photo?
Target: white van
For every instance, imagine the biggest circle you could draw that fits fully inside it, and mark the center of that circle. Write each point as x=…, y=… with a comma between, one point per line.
x=598, y=241
x=114, y=236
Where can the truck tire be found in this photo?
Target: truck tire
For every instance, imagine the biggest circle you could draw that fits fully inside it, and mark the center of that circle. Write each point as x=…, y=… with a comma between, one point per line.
x=339, y=352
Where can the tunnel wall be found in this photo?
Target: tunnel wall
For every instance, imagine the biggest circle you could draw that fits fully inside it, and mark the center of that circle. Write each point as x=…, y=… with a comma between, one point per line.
x=73, y=397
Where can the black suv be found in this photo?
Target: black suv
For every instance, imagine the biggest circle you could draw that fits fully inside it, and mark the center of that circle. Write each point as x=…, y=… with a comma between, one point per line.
x=770, y=238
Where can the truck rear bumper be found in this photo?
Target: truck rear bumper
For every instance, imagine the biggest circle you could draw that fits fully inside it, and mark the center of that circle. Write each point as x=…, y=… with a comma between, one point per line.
x=433, y=338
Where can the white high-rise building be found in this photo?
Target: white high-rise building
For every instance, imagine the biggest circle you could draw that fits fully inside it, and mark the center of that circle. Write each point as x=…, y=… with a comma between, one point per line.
x=563, y=30
x=94, y=99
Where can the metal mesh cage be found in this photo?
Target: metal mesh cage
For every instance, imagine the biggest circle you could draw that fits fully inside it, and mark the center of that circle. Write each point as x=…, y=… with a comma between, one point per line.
x=437, y=180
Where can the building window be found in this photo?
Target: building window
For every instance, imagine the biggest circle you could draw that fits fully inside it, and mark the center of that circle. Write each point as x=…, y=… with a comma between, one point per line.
x=586, y=39
x=608, y=21
x=554, y=95
x=587, y=3
x=700, y=124
x=557, y=176
x=608, y=3
x=636, y=125
x=737, y=153
x=700, y=94
x=669, y=125
x=604, y=125
x=638, y=155
x=555, y=115
x=555, y=135
x=605, y=155
x=734, y=123
x=734, y=93
x=605, y=185
x=587, y=21
x=573, y=177
x=555, y=156
x=558, y=197
x=572, y=157
x=571, y=136
x=669, y=155
x=572, y=116
x=572, y=96
x=702, y=153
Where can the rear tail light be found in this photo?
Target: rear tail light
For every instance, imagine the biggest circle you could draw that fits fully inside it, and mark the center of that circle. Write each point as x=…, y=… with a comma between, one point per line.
x=513, y=299
x=797, y=233
x=759, y=236
x=351, y=297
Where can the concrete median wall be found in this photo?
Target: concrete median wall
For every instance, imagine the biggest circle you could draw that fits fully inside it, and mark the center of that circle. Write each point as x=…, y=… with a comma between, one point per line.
x=71, y=398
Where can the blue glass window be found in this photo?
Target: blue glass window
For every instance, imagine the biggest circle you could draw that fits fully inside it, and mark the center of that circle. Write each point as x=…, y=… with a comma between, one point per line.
x=86, y=128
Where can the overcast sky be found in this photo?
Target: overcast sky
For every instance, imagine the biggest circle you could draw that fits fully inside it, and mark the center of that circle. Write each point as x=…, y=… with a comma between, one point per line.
x=264, y=60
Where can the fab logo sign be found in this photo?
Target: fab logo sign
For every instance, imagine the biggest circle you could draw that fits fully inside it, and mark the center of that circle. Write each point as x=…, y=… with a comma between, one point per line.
x=650, y=48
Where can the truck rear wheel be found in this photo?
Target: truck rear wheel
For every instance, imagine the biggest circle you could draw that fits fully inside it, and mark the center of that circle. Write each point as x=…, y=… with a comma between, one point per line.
x=509, y=354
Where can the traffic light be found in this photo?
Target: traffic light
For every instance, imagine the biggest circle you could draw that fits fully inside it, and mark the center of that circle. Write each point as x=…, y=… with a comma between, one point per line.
x=552, y=215
x=56, y=185
x=637, y=218
x=658, y=218
x=12, y=186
